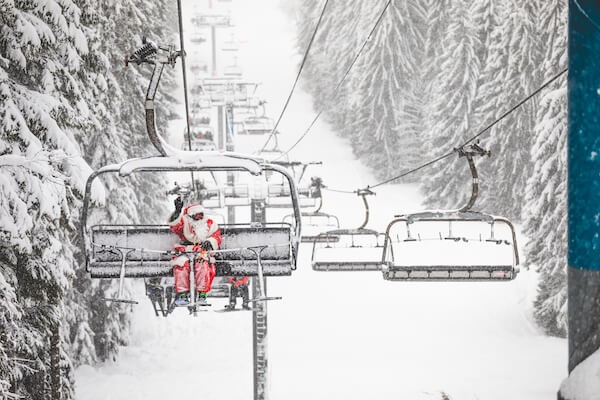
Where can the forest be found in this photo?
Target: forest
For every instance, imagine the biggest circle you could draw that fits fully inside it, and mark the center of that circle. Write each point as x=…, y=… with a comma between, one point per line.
x=433, y=73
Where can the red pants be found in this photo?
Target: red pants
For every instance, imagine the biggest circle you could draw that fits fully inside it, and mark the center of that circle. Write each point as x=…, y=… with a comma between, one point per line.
x=204, y=273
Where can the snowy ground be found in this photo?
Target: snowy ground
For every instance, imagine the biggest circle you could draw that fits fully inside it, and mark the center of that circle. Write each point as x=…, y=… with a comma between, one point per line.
x=338, y=335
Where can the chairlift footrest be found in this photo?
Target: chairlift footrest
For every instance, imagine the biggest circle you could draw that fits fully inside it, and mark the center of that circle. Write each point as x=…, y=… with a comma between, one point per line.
x=265, y=298
x=125, y=301
x=450, y=273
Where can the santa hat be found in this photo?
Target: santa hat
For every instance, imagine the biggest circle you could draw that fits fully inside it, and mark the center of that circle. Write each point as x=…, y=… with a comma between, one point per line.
x=194, y=209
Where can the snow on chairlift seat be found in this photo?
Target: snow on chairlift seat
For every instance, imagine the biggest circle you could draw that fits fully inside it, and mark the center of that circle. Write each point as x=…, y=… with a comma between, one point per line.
x=438, y=245
x=149, y=246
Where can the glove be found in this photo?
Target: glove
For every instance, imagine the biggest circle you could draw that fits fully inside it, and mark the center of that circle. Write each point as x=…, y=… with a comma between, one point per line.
x=178, y=204
x=206, y=245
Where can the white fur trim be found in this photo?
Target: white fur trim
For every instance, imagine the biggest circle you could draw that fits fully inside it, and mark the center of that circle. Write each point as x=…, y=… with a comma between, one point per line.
x=180, y=260
x=195, y=209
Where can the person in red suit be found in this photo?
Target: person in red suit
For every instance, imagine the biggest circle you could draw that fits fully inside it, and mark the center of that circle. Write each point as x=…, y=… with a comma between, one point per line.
x=198, y=234
x=239, y=288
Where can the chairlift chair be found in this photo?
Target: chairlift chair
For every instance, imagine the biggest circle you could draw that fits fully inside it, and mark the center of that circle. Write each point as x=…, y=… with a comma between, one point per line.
x=199, y=145
x=357, y=249
x=233, y=70
x=145, y=251
x=309, y=195
x=257, y=125
x=453, y=245
x=197, y=68
x=212, y=19
x=316, y=222
x=230, y=45
x=197, y=37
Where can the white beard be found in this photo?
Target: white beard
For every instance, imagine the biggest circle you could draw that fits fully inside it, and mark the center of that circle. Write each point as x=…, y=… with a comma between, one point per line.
x=200, y=229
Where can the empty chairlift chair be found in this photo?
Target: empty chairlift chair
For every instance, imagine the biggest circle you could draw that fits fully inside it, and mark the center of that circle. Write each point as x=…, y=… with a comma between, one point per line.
x=357, y=249
x=316, y=222
x=451, y=245
x=308, y=196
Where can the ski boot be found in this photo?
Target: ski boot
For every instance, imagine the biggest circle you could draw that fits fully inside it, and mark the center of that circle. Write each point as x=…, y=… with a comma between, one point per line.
x=202, y=299
x=182, y=299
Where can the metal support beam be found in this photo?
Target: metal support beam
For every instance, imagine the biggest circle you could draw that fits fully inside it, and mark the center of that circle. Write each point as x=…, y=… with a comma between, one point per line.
x=222, y=141
x=259, y=322
x=229, y=146
x=213, y=38
x=583, y=181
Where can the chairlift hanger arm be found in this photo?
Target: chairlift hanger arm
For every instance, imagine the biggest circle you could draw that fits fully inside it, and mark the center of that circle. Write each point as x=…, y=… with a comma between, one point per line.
x=149, y=54
x=470, y=151
x=364, y=193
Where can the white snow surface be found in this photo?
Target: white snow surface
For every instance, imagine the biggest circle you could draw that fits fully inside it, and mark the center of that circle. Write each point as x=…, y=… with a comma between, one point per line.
x=336, y=335
x=584, y=382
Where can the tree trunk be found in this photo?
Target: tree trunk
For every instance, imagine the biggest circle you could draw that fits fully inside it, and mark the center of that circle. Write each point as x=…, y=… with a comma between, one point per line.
x=55, y=370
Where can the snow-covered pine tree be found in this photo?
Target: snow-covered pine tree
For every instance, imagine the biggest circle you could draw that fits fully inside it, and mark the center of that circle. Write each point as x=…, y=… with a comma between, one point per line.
x=41, y=178
x=58, y=87
x=490, y=101
x=454, y=90
x=345, y=25
x=510, y=142
x=114, y=30
x=546, y=196
x=386, y=133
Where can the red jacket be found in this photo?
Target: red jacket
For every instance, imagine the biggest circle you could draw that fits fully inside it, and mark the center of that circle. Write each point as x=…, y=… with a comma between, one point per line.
x=196, y=231
x=237, y=282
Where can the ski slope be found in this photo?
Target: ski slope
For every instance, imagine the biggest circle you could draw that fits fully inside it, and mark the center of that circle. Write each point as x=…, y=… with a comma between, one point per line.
x=337, y=335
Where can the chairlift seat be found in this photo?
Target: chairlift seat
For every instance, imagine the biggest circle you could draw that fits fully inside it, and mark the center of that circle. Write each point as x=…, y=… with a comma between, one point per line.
x=450, y=246
x=157, y=240
x=361, y=253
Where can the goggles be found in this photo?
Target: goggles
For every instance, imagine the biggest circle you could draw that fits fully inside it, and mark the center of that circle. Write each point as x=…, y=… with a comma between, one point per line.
x=197, y=216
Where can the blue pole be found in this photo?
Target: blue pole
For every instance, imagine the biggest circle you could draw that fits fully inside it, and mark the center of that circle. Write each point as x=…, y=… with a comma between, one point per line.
x=584, y=180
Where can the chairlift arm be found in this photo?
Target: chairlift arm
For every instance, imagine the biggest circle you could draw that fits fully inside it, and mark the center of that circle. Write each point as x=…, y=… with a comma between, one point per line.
x=364, y=193
x=469, y=152
x=148, y=53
